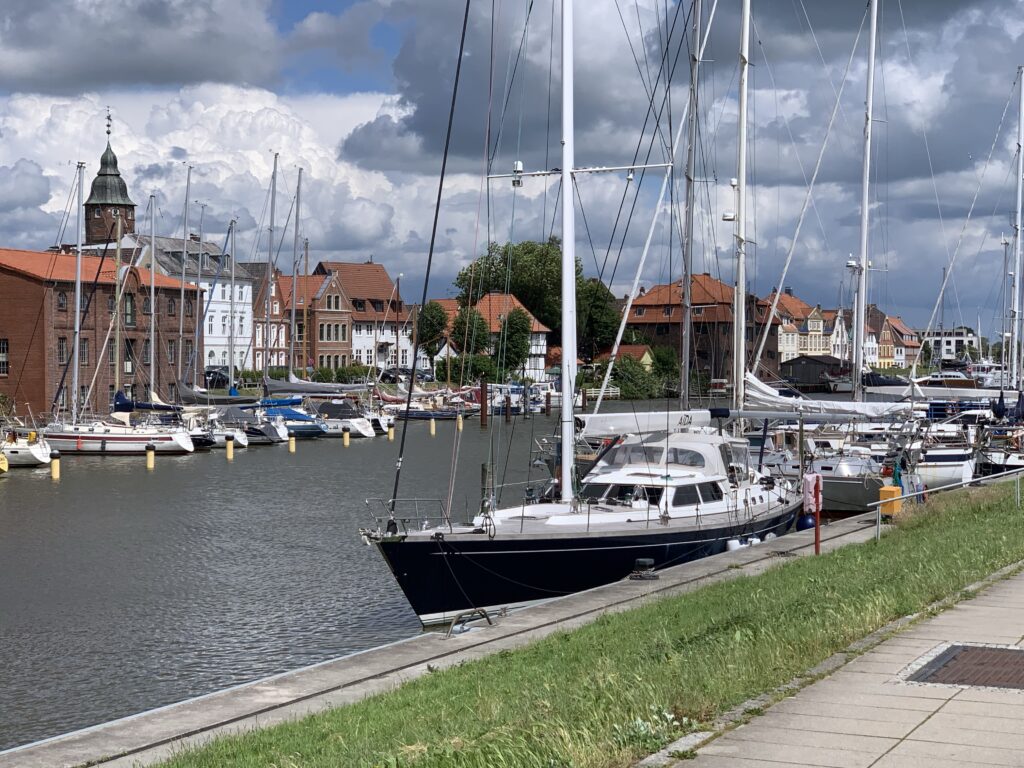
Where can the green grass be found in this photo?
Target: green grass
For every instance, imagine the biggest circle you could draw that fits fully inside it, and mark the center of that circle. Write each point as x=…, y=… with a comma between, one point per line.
x=628, y=684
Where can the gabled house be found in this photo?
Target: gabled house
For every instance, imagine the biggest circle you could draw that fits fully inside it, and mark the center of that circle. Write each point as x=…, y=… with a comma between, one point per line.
x=906, y=342
x=656, y=318
x=323, y=319
x=879, y=325
x=382, y=324
x=642, y=353
x=494, y=308
x=837, y=332
x=792, y=312
x=271, y=324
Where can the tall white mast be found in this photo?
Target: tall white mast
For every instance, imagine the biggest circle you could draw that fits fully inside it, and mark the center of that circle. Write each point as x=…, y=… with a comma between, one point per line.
x=860, y=309
x=1015, y=318
x=198, y=315
x=231, y=315
x=152, y=296
x=270, y=268
x=568, y=259
x=684, y=357
x=184, y=264
x=295, y=272
x=739, y=335
x=78, y=297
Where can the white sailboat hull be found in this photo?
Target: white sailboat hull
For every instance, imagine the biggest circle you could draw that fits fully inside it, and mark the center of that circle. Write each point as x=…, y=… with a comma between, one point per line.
x=22, y=453
x=112, y=439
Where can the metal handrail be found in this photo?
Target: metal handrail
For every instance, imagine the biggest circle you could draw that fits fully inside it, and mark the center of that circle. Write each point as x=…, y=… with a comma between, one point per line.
x=988, y=480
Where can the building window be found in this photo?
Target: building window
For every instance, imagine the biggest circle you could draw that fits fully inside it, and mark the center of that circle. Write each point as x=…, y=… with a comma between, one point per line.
x=129, y=311
x=111, y=356
x=358, y=304
x=5, y=364
x=209, y=332
x=223, y=293
x=189, y=349
x=62, y=350
x=172, y=307
x=300, y=330
x=667, y=311
x=110, y=303
x=276, y=309
x=405, y=357
x=344, y=332
x=83, y=353
x=62, y=302
x=321, y=332
x=640, y=311
x=172, y=351
x=146, y=351
x=62, y=398
x=320, y=361
x=188, y=307
x=83, y=397
x=147, y=307
x=172, y=390
x=358, y=356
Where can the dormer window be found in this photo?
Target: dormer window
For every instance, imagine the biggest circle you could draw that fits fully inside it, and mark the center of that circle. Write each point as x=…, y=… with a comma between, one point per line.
x=640, y=311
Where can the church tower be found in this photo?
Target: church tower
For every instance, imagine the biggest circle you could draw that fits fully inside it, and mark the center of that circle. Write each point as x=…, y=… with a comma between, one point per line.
x=108, y=199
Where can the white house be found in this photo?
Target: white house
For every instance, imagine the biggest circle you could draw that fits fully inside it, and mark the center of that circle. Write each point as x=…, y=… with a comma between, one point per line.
x=870, y=347
x=950, y=344
x=839, y=336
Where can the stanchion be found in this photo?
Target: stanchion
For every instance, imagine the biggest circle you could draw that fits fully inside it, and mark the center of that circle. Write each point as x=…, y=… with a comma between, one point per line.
x=229, y=447
x=345, y=436
x=291, y=442
x=150, y=456
x=55, y=465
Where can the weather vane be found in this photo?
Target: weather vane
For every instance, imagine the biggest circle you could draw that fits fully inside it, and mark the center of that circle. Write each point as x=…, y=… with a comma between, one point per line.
x=108, y=121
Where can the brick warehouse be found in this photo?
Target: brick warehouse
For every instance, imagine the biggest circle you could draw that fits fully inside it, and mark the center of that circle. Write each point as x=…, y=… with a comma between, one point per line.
x=37, y=329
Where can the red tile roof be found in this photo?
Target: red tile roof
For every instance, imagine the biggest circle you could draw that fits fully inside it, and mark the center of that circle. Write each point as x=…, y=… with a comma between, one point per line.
x=60, y=268
x=634, y=351
x=307, y=287
x=791, y=306
x=496, y=306
x=362, y=281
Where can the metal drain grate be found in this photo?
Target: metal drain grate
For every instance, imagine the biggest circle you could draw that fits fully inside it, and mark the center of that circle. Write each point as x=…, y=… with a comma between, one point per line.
x=975, y=665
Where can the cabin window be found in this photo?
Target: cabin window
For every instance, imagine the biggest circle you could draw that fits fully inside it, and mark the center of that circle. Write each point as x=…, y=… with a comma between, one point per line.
x=685, y=457
x=634, y=454
x=685, y=496
x=593, y=492
x=710, y=492
x=62, y=302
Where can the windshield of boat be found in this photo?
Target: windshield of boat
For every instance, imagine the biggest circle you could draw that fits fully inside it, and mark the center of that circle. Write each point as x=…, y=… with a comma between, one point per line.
x=621, y=494
x=633, y=453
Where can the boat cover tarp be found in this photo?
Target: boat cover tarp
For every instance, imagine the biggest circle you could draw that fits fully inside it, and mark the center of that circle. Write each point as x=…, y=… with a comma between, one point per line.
x=191, y=396
x=297, y=386
x=760, y=396
x=123, y=405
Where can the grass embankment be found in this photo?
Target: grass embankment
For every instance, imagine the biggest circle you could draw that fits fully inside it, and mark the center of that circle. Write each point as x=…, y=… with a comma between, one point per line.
x=624, y=686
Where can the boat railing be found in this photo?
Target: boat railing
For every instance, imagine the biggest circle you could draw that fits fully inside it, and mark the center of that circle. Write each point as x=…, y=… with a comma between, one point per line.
x=409, y=514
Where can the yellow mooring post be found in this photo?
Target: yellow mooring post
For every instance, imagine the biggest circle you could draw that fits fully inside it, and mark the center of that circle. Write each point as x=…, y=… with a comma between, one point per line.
x=229, y=447
x=291, y=442
x=458, y=422
x=890, y=508
x=391, y=433
x=345, y=436
x=433, y=427
x=55, y=465
x=150, y=456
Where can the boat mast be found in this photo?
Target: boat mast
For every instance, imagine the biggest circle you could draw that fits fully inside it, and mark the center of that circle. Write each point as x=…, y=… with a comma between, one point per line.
x=270, y=270
x=198, y=316
x=1005, y=242
x=305, y=304
x=78, y=297
x=568, y=259
x=231, y=315
x=295, y=279
x=860, y=310
x=184, y=263
x=739, y=340
x=117, y=306
x=691, y=142
x=152, y=296
x=1015, y=326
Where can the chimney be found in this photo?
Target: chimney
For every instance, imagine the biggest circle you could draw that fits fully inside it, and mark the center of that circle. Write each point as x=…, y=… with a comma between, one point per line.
x=788, y=291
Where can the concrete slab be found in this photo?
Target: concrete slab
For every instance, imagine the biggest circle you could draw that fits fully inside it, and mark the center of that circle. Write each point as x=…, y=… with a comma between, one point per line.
x=957, y=753
x=791, y=754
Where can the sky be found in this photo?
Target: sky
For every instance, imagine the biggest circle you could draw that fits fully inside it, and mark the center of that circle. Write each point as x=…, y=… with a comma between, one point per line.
x=357, y=94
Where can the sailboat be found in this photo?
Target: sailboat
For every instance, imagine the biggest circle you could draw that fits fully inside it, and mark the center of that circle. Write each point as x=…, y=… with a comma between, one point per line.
x=653, y=501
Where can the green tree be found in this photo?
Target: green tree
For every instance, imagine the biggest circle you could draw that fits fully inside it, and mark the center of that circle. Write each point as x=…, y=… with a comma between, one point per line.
x=633, y=380
x=666, y=363
x=530, y=271
x=514, y=342
x=475, y=367
x=431, y=327
x=470, y=332
x=597, y=317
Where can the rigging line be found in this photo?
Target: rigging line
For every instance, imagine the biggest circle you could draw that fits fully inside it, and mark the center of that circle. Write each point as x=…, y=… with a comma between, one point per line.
x=66, y=215
x=586, y=226
x=433, y=240
x=808, y=195
x=643, y=37
x=632, y=50
x=643, y=172
x=547, y=127
x=967, y=220
x=512, y=80
x=985, y=234
x=640, y=139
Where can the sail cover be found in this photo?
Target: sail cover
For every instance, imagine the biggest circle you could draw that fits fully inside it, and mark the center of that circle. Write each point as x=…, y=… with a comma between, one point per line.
x=762, y=397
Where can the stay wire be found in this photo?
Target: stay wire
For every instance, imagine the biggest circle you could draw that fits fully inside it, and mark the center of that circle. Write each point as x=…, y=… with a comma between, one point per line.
x=430, y=252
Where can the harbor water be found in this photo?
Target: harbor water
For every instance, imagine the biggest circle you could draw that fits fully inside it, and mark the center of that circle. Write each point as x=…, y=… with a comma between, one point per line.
x=123, y=589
